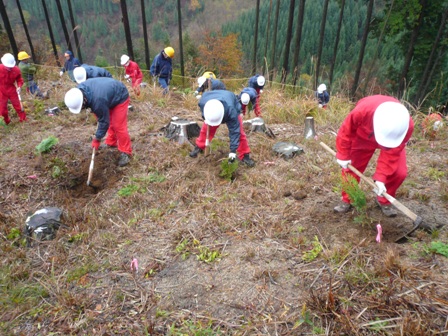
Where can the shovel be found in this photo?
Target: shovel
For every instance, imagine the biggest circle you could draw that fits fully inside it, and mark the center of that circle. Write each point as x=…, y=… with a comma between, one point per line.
x=417, y=220
x=92, y=161
x=207, y=142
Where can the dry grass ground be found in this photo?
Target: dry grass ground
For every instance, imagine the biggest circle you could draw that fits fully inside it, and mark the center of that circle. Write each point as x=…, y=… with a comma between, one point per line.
x=261, y=255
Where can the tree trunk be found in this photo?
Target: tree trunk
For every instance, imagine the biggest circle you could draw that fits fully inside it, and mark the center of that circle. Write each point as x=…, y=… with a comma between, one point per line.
x=12, y=40
x=257, y=17
x=127, y=29
x=265, y=60
x=336, y=44
x=288, y=40
x=145, y=35
x=425, y=76
x=363, y=49
x=64, y=26
x=321, y=42
x=25, y=27
x=410, y=52
x=380, y=40
x=74, y=31
x=53, y=43
x=179, y=23
x=274, y=41
x=299, y=29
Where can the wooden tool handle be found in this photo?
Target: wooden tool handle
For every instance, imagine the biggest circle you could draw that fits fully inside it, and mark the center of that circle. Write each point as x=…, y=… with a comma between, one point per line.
x=391, y=199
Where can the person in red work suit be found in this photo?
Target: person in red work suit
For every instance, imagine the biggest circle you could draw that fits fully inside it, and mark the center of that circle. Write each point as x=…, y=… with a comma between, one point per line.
x=222, y=107
x=376, y=122
x=133, y=72
x=10, y=75
x=108, y=99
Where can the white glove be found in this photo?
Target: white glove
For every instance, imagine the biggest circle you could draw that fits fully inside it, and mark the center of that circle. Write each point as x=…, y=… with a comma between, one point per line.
x=437, y=125
x=320, y=105
x=126, y=76
x=261, y=91
x=232, y=157
x=381, y=188
x=18, y=90
x=196, y=93
x=198, y=97
x=61, y=73
x=344, y=163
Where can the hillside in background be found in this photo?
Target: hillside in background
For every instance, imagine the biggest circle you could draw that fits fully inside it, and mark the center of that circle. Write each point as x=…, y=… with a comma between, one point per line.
x=101, y=29
x=356, y=47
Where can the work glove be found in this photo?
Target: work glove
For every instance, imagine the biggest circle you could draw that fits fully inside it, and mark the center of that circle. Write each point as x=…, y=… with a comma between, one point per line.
x=61, y=73
x=320, y=106
x=261, y=91
x=380, y=188
x=196, y=93
x=96, y=143
x=198, y=97
x=19, y=89
x=344, y=163
x=126, y=76
x=232, y=157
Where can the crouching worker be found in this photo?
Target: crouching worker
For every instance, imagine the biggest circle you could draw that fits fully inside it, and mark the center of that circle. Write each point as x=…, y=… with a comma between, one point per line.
x=222, y=107
x=322, y=96
x=376, y=122
x=208, y=84
x=249, y=95
x=108, y=99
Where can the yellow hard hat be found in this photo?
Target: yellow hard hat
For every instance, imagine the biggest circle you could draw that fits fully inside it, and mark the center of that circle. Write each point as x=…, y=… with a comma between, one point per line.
x=169, y=51
x=23, y=55
x=209, y=74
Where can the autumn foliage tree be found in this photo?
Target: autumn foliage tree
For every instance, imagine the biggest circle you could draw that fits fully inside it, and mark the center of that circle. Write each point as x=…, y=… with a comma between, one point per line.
x=220, y=54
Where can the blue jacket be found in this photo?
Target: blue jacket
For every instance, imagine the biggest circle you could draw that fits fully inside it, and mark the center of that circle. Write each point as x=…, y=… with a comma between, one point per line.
x=103, y=94
x=252, y=94
x=161, y=67
x=71, y=64
x=323, y=98
x=232, y=110
x=253, y=83
x=216, y=85
x=93, y=71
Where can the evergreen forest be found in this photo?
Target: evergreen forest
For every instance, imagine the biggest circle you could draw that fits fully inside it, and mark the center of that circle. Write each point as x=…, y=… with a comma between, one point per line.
x=395, y=47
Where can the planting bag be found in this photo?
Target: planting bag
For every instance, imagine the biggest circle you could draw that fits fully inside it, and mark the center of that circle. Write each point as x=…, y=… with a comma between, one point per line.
x=43, y=224
x=287, y=150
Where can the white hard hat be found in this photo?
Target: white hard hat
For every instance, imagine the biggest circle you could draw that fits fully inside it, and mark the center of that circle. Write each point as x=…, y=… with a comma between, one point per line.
x=201, y=80
x=245, y=98
x=73, y=99
x=213, y=112
x=80, y=74
x=124, y=59
x=321, y=88
x=390, y=124
x=8, y=60
x=261, y=80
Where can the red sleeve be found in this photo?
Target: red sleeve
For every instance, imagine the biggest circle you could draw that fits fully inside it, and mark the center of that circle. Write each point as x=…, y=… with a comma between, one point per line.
x=19, y=78
x=347, y=132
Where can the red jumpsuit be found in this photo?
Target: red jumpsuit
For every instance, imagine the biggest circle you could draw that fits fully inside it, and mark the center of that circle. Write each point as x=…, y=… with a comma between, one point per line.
x=356, y=142
x=8, y=91
x=134, y=72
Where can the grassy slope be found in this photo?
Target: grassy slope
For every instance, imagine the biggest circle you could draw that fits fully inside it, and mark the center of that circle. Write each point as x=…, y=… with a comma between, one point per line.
x=261, y=234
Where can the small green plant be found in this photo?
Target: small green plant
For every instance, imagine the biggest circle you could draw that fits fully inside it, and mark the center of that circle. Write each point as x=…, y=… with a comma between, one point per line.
x=39, y=106
x=129, y=190
x=182, y=248
x=13, y=234
x=439, y=248
x=228, y=169
x=434, y=174
x=46, y=144
x=312, y=254
x=206, y=255
x=355, y=194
